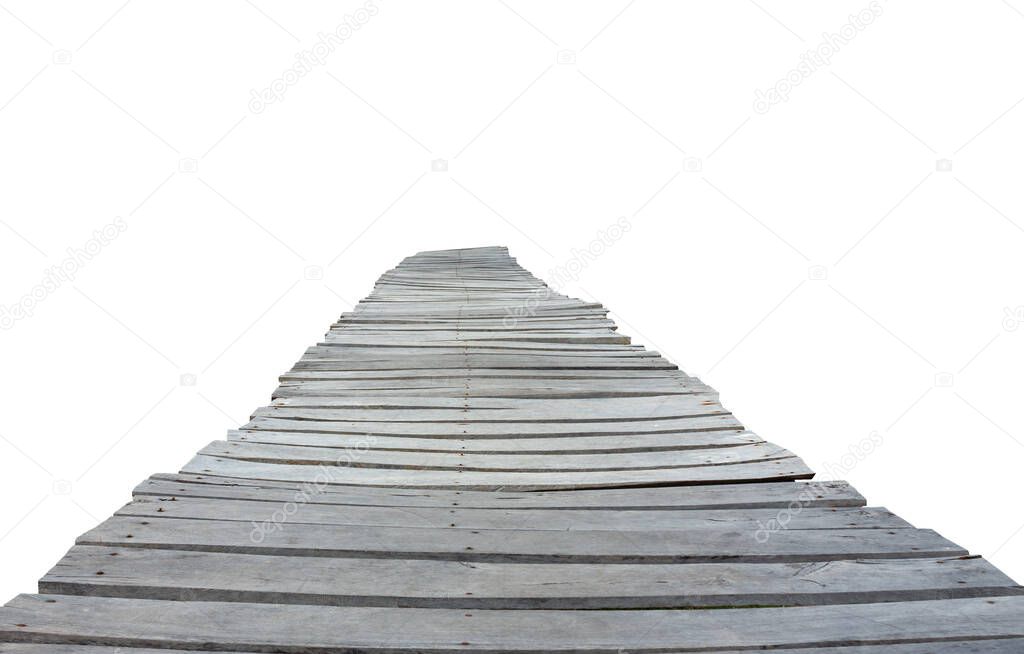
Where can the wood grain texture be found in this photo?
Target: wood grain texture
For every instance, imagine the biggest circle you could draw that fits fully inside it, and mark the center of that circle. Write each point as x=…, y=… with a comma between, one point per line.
x=237, y=626
x=983, y=646
x=215, y=576
x=777, y=496
x=471, y=461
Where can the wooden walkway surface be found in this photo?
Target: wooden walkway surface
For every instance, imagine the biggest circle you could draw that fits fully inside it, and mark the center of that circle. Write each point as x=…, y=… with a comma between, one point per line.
x=471, y=462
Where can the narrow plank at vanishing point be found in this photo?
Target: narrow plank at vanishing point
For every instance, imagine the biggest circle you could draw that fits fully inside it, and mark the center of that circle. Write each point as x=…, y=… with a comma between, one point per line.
x=471, y=461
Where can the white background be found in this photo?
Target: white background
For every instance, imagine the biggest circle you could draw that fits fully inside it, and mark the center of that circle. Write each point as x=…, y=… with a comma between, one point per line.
x=818, y=269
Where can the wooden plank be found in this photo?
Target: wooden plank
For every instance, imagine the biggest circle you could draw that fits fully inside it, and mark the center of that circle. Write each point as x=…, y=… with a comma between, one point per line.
x=502, y=373
x=985, y=646
x=582, y=336
x=435, y=388
x=776, y=495
x=639, y=407
x=490, y=362
x=467, y=311
x=367, y=457
x=751, y=520
x=627, y=381
x=364, y=353
x=737, y=543
x=497, y=430
x=344, y=339
x=343, y=361
x=239, y=626
x=226, y=577
x=586, y=324
x=781, y=469
x=473, y=388
x=539, y=445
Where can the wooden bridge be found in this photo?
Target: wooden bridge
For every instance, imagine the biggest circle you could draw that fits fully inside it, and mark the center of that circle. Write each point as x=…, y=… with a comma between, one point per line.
x=471, y=462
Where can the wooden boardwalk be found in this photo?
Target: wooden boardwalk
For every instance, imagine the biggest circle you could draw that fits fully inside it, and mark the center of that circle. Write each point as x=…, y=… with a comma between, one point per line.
x=471, y=462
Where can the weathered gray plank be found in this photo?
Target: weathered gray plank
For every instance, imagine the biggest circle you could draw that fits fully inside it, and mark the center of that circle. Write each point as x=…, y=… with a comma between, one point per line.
x=551, y=336
x=498, y=430
x=356, y=351
x=461, y=388
x=281, y=537
x=640, y=407
x=537, y=445
x=985, y=646
x=494, y=325
x=511, y=343
x=553, y=380
x=534, y=519
x=781, y=469
x=489, y=362
x=268, y=627
x=790, y=496
x=573, y=411
x=224, y=577
x=498, y=373
x=367, y=457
